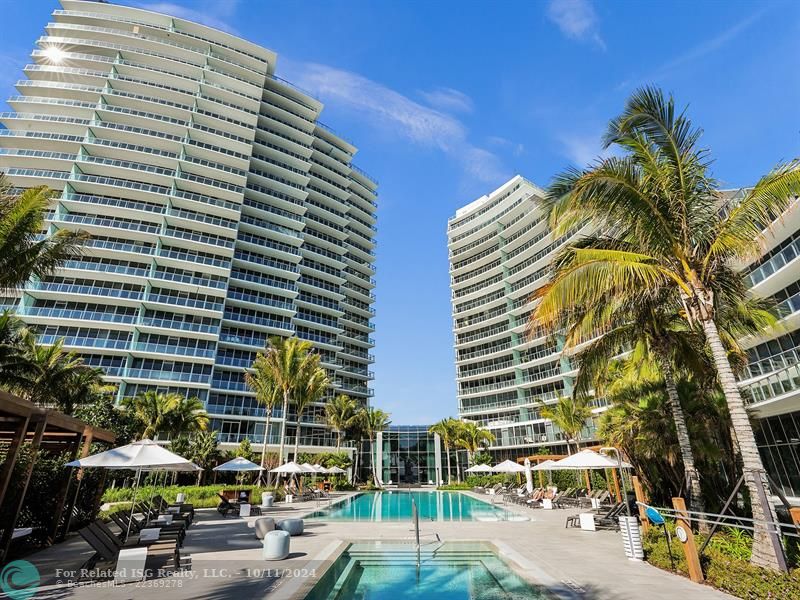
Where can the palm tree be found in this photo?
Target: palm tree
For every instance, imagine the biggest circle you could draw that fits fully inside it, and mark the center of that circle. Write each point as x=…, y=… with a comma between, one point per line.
x=22, y=253
x=286, y=360
x=473, y=438
x=51, y=376
x=653, y=327
x=374, y=420
x=204, y=451
x=569, y=415
x=448, y=431
x=339, y=415
x=665, y=224
x=312, y=389
x=187, y=416
x=268, y=394
x=153, y=410
x=12, y=360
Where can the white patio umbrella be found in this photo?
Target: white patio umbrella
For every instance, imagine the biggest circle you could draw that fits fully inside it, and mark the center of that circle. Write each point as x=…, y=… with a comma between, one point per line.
x=238, y=464
x=479, y=469
x=508, y=466
x=528, y=476
x=588, y=459
x=546, y=465
x=289, y=468
x=144, y=455
x=308, y=468
x=336, y=470
x=320, y=469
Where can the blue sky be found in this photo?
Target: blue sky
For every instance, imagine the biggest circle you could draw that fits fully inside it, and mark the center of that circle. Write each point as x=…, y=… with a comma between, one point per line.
x=448, y=99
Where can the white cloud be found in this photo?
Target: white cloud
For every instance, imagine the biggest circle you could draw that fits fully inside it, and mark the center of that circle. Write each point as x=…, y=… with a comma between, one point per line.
x=391, y=111
x=582, y=148
x=501, y=142
x=214, y=13
x=695, y=53
x=445, y=98
x=576, y=19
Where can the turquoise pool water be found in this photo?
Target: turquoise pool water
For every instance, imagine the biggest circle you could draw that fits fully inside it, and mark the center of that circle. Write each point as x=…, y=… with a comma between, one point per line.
x=432, y=506
x=448, y=571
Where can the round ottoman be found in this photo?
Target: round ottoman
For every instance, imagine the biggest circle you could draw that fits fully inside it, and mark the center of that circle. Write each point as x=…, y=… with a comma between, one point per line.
x=267, y=499
x=291, y=526
x=263, y=525
x=276, y=545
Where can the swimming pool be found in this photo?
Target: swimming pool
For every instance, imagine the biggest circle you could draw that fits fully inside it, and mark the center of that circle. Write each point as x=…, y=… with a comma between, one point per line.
x=443, y=571
x=432, y=505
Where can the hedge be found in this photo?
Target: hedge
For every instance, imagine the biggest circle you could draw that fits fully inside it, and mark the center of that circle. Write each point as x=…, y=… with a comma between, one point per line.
x=204, y=496
x=726, y=565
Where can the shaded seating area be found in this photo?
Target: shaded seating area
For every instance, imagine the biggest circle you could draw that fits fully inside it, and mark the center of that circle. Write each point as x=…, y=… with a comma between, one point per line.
x=27, y=434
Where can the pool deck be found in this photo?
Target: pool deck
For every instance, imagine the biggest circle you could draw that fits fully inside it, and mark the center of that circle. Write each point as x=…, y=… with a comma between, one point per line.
x=227, y=560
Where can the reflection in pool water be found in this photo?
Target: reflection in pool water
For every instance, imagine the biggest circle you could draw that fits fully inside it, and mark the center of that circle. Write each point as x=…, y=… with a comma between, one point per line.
x=432, y=505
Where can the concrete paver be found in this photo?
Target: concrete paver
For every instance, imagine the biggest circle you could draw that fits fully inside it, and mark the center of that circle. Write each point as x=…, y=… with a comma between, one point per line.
x=227, y=562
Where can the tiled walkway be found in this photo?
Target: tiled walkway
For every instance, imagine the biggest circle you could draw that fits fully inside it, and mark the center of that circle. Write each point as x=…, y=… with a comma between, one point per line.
x=227, y=559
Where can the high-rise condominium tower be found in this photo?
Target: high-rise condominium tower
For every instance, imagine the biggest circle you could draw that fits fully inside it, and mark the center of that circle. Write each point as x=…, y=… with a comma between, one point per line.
x=221, y=211
x=500, y=253
x=501, y=248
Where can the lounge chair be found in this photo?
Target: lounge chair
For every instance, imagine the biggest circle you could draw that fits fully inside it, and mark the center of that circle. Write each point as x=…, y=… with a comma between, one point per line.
x=225, y=506
x=106, y=553
x=104, y=532
x=127, y=522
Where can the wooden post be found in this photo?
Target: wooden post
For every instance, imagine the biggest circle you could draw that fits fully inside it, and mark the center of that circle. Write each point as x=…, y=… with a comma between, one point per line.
x=640, y=497
x=11, y=456
x=63, y=489
x=616, y=484
x=588, y=481
x=686, y=537
x=5, y=538
x=87, y=445
x=794, y=513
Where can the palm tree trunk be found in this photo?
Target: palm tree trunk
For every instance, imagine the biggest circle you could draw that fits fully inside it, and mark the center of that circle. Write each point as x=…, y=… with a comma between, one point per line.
x=696, y=498
x=449, y=477
x=374, y=461
x=283, y=427
x=764, y=554
x=458, y=468
x=265, y=473
x=338, y=440
x=297, y=438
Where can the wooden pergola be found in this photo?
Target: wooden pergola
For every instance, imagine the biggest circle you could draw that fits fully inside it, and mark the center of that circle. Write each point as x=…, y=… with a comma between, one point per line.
x=44, y=429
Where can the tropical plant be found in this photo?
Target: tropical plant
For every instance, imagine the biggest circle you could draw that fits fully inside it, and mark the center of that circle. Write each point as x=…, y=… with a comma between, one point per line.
x=374, y=420
x=51, y=376
x=204, y=451
x=22, y=252
x=286, y=361
x=12, y=359
x=664, y=224
x=151, y=409
x=268, y=394
x=244, y=450
x=569, y=415
x=339, y=415
x=473, y=438
x=447, y=430
x=313, y=386
x=187, y=416
x=102, y=412
x=661, y=346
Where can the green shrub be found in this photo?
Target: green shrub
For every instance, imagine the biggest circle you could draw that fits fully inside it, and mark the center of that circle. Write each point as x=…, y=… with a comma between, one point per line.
x=204, y=496
x=725, y=565
x=455, y=486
